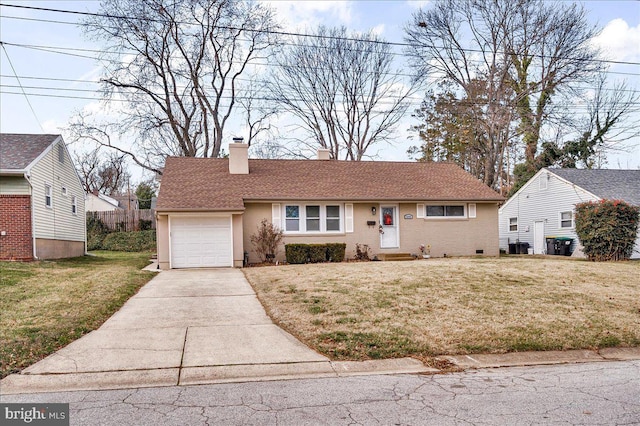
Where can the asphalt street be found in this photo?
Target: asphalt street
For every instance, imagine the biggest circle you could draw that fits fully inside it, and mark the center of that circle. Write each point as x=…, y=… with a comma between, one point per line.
x=598, y=393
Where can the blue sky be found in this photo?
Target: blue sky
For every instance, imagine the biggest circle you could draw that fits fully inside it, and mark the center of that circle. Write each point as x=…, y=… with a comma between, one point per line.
x=620, y=40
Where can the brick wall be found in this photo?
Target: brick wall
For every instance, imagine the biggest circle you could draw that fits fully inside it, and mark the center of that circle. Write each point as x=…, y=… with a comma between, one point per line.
x=15, y=223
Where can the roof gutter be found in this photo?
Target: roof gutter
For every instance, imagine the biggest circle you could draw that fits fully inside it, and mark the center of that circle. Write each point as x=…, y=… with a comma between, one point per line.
x=12, y=172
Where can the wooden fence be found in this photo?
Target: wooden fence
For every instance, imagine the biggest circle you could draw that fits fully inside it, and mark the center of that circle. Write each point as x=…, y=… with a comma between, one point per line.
x=126, y=220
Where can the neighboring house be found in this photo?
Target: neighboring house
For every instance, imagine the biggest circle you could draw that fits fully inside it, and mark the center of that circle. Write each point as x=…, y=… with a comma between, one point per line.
x=42, y=213
x=208, y=209
x=101, y=203
x=545, y=205
x=127, y=201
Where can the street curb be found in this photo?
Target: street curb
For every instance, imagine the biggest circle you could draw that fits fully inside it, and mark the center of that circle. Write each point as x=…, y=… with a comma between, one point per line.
x=45, y=383
x=521, y=359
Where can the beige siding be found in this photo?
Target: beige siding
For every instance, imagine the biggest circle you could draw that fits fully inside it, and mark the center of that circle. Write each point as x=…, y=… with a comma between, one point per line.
x=453, y=237
x=162, y=240
x=14, y=185
x=58, y=222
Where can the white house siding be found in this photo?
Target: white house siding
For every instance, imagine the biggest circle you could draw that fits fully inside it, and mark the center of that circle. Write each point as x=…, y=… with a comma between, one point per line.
x=58, y=222
x=96, y=204
x=532, y=204
x=14, y=185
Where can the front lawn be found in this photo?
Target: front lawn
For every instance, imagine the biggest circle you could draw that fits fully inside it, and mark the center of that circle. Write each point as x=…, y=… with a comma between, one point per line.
x=453, y=306
x=46, y=305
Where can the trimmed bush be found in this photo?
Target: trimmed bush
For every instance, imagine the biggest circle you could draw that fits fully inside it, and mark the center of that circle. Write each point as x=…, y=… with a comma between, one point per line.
x=296, y=253
x=317, y=253
x=336, y=251
x=130, y=241
x=607, y=229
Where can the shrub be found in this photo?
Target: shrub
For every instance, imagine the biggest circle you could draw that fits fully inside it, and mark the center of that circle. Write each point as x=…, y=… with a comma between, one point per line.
x=145, y=225
x=96, y=232
x=335, y=251
x=317, y=253
x=362, y=252
x=296, y=253
x=267, y=240
x=607, y=229
x=130, y=241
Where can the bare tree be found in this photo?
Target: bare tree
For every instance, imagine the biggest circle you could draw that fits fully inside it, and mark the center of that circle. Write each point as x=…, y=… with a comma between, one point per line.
x=178, y=67
x=342, y=89
x=527, y=52
x=479, y=68
x=104, y=174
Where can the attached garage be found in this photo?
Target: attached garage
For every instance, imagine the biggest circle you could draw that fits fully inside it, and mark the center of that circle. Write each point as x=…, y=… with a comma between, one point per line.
x=201, y=241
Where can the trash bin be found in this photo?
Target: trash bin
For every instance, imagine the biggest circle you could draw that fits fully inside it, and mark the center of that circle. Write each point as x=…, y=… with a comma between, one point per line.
x=513, y=248
x=563, y=246
x=524, y=248
x=551, y=245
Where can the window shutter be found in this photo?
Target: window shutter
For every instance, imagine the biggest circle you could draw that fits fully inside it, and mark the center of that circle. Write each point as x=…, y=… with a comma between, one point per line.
x=472, y=210
x=420, y=213
x=348, y=217
x=275, y=215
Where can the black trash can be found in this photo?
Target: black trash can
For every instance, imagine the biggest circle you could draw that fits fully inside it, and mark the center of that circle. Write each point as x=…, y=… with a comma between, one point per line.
x=523, y=248
x=551, y=245
x=563, y=246
x=513, y=248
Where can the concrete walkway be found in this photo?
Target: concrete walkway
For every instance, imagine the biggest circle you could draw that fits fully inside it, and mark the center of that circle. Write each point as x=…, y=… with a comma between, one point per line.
x=187, y=327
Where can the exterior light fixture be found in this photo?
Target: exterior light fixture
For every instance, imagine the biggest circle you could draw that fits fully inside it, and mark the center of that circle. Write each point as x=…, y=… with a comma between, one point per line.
x=373, y=211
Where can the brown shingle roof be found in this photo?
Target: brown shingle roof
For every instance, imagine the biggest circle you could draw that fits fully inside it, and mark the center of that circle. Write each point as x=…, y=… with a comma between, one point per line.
x=17, y=151
x=206, y=184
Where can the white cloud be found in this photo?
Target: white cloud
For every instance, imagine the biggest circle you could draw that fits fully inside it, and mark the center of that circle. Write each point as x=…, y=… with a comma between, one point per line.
x=310, y=14
x=378, y=29
x=619, y=42
x=418, y=4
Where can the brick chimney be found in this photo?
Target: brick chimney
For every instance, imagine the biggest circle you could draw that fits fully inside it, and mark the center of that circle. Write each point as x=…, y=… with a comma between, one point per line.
x=238, y=157
x=324, y=154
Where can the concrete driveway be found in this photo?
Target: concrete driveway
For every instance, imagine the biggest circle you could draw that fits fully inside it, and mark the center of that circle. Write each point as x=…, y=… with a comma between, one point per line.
x=187, y=327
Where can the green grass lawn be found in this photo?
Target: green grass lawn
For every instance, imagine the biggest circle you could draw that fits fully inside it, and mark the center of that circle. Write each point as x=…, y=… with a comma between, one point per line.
x=433, y=307
x=47, y=304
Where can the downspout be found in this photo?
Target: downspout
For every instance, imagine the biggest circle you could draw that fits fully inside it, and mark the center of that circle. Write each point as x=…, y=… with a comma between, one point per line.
x=33, y=223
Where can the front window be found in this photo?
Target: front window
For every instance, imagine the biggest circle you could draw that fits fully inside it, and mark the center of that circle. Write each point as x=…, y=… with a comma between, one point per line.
x=292, y=218
x=513, y=224
x=333, y=218
x=445, y=211
x=74, y=205
x=47, y=196
x=566, y=220
x=313, y=218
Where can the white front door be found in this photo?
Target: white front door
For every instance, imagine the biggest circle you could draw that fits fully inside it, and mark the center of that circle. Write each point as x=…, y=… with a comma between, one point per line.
x=389, y=227
x=539, y=242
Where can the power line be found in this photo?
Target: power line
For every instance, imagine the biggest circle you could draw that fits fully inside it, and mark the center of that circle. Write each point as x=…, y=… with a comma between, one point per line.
x=22, y=88
x=287, y=33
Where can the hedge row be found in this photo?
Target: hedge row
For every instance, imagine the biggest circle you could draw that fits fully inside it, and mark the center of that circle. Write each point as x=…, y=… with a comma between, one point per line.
x=315, y=253
x=130, y=241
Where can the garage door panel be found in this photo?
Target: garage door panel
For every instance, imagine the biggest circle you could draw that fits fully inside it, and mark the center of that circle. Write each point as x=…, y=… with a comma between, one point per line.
x=198, y=242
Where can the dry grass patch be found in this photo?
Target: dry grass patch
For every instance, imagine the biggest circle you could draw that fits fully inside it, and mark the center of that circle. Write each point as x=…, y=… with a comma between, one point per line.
x=46, y=305
x=453, y=306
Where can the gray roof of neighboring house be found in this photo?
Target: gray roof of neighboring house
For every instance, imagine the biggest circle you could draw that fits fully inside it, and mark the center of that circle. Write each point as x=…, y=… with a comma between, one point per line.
x=17, y=151
x=606, y=184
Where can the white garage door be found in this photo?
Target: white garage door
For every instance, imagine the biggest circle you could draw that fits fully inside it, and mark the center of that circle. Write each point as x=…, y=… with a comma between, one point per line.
x=201, y=242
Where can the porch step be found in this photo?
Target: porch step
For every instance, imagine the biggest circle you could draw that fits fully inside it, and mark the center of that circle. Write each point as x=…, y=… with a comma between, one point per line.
x=395, y=256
